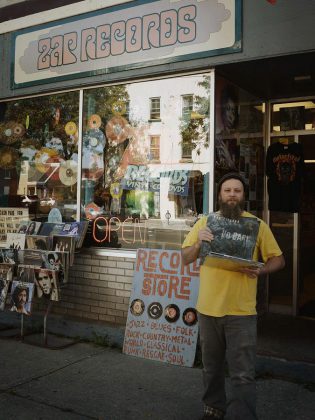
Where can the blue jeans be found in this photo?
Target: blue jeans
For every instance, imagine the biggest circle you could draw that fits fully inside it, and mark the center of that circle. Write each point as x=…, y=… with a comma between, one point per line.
x=233, y=339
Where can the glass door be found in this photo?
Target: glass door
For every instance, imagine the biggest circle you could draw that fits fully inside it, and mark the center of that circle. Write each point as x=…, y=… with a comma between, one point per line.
x=306, y=278
x=282, y=226
x=291, y=205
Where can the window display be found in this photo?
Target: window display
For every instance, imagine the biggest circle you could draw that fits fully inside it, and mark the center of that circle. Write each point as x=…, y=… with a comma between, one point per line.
x=136, y=189
x=39, y=154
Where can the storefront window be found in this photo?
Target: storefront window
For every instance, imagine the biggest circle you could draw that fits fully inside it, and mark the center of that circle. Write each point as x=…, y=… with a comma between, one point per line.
x=39, y=155
x=293, y=116
x=239, y=142
x=136, y=189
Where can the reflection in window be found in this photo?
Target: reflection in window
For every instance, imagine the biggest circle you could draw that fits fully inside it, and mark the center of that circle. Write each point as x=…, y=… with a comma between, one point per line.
x=155, y=112
x=187, y=105
x=39, y=155
x=155, y=148
x=136, y=190
x=239, y=140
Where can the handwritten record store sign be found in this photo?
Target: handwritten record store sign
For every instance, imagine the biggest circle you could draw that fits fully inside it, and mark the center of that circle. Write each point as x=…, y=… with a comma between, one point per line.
x=129, y=35
x=162, y=322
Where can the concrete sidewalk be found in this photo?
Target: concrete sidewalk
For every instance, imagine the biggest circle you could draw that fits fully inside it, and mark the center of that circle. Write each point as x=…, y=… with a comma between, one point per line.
x=285, y=346
x=85, y=381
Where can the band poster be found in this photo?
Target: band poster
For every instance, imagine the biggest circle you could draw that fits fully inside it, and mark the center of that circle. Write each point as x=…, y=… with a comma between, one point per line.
x=162, y=322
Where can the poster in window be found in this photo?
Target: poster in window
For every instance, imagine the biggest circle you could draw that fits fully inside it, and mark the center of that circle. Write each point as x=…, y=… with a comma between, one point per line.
x=292, y=118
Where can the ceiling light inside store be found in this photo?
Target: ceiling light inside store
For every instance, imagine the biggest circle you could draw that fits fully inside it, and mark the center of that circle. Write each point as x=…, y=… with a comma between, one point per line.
x=261, y=107
x=306, y=104
x=302, y=78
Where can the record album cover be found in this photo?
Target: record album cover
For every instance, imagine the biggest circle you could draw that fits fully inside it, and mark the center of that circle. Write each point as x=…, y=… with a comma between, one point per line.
x=38, y=242
x=6, y=275
x=46, y=282
x=8, y=255
x=15, y=240
x=21, y=297
x=50, y=228
x=233, y=239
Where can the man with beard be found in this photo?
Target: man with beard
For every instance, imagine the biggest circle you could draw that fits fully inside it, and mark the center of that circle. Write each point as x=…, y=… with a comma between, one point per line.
x=227, y=308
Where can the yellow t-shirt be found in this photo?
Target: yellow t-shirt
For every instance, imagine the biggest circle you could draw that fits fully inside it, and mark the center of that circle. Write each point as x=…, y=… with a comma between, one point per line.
x=224, y=292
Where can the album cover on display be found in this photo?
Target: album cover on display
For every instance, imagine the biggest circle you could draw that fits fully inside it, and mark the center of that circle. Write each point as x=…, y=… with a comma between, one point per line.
x=49, y=229
x=6, y=275
x=58, y=261
x=32, y=228
x=32, y=257
x=22, y=228
x=25, y=273
x=46, y=282
x=64, y=244
x=15, y=240
x=21, y=297
x=8, y=255
x=231, y=263
x=76, y=229
x=38, y=242
x=233, y=244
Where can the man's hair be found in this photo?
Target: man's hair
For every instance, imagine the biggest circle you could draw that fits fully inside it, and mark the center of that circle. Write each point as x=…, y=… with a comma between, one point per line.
x=17, y=291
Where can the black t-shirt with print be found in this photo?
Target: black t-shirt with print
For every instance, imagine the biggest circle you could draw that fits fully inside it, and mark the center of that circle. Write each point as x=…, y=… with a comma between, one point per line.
x=284, y=168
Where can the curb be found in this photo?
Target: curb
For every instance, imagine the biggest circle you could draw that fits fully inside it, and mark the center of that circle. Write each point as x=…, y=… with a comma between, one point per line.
x=296, y=371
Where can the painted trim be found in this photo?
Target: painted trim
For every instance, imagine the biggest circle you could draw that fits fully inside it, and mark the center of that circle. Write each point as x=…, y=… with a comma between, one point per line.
x=79, y=182
x=212, y=143
x=58, y=13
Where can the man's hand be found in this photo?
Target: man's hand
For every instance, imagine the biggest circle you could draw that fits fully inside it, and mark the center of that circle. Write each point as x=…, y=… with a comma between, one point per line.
x=205, y=234
x=190, y=253
x=271, y=266
x=251, y=272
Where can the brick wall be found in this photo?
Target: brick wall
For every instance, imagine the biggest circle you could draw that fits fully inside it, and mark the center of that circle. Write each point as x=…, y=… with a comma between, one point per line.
x=98, y=289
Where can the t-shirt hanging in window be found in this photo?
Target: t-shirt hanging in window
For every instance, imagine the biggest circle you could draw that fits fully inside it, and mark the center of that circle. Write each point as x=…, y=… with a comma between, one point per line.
x=284, y=168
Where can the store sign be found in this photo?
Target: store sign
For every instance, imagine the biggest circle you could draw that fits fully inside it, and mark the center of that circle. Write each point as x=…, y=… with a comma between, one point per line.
x=140, y=177
x=179, y=181
x=125, y=36
x=162, y=322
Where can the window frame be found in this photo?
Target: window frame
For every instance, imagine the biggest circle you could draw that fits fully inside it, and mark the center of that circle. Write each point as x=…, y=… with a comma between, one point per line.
x=155, y=148
x=155, y=111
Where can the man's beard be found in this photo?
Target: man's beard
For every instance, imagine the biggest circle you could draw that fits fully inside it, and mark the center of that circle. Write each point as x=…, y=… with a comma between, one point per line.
x=231, y=211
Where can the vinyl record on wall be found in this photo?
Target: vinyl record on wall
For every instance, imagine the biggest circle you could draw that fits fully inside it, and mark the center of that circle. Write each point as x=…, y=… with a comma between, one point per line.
x=11, y=132
x=95, y=121
x=71, y=128
x=8, y=157
x=68, y=172
x=117, y=129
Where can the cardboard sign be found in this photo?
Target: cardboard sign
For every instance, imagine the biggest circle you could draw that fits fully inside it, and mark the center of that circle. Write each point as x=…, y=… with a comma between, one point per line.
x=162, y=322
x=10, y=220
